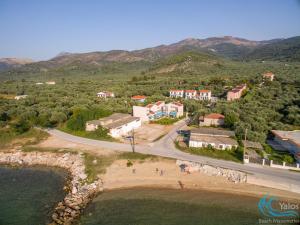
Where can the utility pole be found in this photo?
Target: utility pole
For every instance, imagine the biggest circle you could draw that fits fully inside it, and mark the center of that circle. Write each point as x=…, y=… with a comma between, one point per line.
x=246, y=130
x=133, y=141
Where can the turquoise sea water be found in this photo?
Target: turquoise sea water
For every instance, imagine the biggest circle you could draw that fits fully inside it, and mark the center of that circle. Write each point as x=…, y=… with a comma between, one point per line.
x=142, y=206
x=29, y=195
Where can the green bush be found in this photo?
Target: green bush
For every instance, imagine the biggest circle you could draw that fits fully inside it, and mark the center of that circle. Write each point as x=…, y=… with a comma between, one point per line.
x=288, y=159
x=165, y=121
x=21, y=126
x=129, y=163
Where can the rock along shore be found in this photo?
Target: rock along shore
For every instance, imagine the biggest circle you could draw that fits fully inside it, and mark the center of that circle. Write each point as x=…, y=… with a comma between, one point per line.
x=231, y=175
x=80, y=193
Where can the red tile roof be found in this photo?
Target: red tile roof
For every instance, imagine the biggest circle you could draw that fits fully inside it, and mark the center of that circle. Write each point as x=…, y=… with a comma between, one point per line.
x=176, y=90
x=215, y=116
x=138, y=97
x=190, y=91
x=204, y=91
x=158, y=103
x=149, y=106
x=268, y=74
x=177, y=103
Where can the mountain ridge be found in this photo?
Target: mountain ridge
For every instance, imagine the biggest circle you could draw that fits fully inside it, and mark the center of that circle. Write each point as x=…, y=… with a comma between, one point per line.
x=234, y=48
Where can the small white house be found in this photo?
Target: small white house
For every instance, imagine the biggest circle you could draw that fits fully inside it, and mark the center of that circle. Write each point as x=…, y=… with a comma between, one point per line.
x=105, y=94
x=39, y=83
x=270, y=76
x=92, y=125
x=50, y=82
x=18, y=97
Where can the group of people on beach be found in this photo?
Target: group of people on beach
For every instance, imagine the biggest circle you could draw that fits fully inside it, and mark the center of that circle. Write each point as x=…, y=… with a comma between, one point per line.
x=161, y=172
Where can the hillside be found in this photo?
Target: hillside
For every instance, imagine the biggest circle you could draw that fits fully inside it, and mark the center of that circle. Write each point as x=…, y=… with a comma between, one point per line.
x=9, y=63
x=189, y=61
x=122, y=61
x=283, y=50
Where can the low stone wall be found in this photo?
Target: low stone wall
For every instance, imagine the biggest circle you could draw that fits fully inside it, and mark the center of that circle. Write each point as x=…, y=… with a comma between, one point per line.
x=231, y=175
x=80, y=193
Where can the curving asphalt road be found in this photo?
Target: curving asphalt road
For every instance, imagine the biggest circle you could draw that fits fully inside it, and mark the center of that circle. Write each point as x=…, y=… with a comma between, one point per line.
x=267, y=176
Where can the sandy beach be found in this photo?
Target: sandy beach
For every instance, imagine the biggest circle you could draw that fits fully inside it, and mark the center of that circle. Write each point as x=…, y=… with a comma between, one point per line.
x=145, y=174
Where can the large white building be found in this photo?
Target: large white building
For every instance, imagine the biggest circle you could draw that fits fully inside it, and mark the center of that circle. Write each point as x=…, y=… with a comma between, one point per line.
x=118, y=124
x=191, y=94
x=158, y=110
x=215, y=138
x=176, y=93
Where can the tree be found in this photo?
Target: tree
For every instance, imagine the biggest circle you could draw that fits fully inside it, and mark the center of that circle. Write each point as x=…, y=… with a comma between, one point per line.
x=21, y=126
x=230, y=119
x=76, y=122
x=58, y=117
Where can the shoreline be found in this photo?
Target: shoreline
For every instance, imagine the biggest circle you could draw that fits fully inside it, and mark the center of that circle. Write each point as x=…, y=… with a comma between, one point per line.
x=119, y=176
x=79, y=193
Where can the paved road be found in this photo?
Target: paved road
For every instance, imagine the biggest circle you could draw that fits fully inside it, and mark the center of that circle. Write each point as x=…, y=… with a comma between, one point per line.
x=165, y=147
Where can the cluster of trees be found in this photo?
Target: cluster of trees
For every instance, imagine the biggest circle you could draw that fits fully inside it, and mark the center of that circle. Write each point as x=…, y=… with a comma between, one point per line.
x=72, y=101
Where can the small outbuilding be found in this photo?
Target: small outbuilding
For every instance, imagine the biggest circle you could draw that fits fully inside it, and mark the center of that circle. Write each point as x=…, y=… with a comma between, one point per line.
x=213, y=119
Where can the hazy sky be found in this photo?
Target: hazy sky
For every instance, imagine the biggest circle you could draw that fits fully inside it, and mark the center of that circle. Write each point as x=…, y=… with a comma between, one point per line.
x=41, y=29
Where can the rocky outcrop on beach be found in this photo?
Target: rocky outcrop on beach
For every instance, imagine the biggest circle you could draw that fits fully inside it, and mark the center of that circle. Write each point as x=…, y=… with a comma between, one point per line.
x=231, y=175
x=80, y=193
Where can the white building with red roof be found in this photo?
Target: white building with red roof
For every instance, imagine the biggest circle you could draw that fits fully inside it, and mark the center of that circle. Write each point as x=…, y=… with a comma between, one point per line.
x=269, y=75
x=190, y=94
x=176, y=93
x=213, y=119
x=139, y=98
x=204, y=95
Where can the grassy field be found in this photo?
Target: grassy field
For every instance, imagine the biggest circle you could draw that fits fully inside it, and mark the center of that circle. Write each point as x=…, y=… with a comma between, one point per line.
x=166, y=121
x=231, y=155
x=86, y=134
x=95, y=165
x=8, y=138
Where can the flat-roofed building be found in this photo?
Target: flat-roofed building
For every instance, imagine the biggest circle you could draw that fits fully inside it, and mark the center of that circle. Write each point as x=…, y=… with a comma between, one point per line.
x=215, y=138
x=236, y=93
x=118, y=124
x=288, y=140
